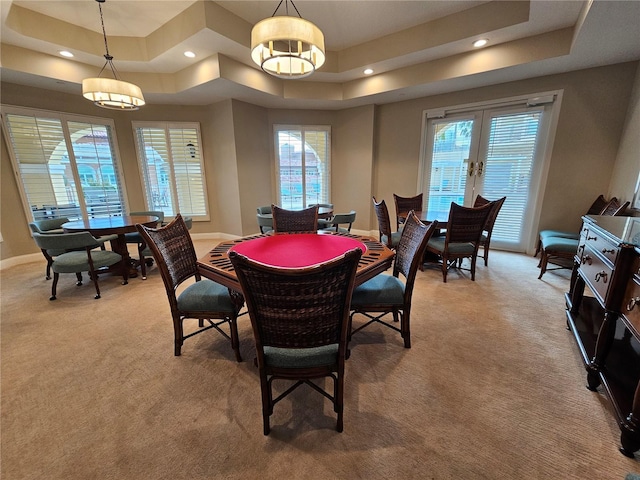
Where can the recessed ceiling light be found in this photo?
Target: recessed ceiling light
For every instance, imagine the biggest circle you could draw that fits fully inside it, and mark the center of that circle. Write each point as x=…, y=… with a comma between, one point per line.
x=480, y=43
x=368, y=71
x=189, y=54
x=65, y=53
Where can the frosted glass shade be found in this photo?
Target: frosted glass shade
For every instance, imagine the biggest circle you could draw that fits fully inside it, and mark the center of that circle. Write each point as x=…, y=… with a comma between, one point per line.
x=287, y=47
x=112, y=93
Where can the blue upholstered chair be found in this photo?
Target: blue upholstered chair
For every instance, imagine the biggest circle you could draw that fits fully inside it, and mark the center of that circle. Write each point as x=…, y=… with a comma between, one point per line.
x=78, y=255
x=300, y=319
x=53, y=226
x=384, y=293
x=333, y=224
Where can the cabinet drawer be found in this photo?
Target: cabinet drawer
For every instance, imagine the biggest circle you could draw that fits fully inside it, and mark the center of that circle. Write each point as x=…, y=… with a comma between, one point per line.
x=631, y=304
x=596, y=273
x=598, y=243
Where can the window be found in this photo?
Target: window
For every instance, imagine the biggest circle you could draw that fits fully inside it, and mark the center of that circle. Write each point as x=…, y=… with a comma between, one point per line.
x=171, y=166
x=60, y=162
x=302, y=165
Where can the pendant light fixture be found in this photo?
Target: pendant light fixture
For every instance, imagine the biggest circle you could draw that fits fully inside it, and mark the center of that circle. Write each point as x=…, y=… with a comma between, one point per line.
x=111, y=93
x=287, y=47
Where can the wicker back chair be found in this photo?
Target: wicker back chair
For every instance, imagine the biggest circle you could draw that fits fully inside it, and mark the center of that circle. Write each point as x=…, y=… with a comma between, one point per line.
x=384, y=293
x=614, y=208
x=305, y=220
x=204, y=299
x=598, y=205
x=406, y=204
x=464, y=229
x=299, y=319
x=389, y=238
x=485, y=238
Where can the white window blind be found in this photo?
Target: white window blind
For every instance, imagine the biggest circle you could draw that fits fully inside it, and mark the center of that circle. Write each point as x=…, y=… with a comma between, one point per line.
x=170, y=161
x=303, y=160
x=67, y=167
x=510, y=156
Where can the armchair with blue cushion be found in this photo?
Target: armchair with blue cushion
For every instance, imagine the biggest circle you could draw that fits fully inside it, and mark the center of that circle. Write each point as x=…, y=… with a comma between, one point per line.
x=53, y=226
x=77, y=256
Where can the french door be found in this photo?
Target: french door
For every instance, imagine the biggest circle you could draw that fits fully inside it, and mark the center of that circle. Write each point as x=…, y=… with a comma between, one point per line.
x=492, y=152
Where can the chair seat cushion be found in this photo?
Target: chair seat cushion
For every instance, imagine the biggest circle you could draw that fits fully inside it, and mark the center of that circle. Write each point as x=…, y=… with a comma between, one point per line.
x=301, y=357
x=206, y=296
x=77, y=261
x=395, y=238
x=437, y=243
x=559, y=245
x=133, y=237
x=559, y=234
x=380, y=290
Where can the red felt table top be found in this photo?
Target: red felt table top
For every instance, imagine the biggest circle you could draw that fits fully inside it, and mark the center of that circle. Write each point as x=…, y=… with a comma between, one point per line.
x=297, y=250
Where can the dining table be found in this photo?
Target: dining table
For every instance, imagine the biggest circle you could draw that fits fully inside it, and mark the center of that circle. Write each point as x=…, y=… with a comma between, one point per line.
x=116, y=225
x=294, y=250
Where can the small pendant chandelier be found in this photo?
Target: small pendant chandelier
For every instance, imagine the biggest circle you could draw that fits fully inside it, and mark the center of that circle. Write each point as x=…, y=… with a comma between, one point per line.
x=111, y=93
x=287, y=47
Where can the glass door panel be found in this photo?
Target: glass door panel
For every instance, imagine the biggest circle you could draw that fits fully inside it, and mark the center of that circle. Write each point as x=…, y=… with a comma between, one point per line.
x=450, y=143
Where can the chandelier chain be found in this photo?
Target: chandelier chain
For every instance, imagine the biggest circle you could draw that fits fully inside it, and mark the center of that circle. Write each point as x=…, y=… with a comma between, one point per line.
x=286, y=8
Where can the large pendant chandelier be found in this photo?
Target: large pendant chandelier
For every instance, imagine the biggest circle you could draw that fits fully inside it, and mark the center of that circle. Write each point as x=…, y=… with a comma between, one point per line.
x=111, y=93
x=287, y=47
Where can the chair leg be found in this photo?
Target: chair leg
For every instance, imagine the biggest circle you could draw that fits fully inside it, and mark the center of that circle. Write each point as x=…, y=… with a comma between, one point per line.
x=338, y=399
x=143, y=265
x=78, y=278
x=543, y=263
x=178, y=337
x=54, y=285
x=485, y=251
x=267, y=407
x=235, y=341
x=48, y=275
x=405, y=328
x=473, y=266
x=445, y=267
x=94, y=276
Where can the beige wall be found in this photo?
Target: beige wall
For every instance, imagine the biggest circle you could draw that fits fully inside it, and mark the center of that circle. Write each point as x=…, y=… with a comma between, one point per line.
x=627, y=166
x=375, y=150
x=589, y=129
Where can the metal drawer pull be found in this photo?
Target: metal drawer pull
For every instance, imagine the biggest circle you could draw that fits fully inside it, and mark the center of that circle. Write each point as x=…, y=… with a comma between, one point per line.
x=605, y=251
x=632, y=303
x=602, y=275
x=591, y=238
x=586, y=259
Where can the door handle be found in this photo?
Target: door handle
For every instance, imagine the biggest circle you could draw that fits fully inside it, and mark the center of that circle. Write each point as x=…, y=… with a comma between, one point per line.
x=480, y=167
x=471, y=167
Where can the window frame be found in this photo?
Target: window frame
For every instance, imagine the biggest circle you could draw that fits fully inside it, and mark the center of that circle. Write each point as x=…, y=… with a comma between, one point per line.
x=65, y=119
x=303, y=129
x=141, y=161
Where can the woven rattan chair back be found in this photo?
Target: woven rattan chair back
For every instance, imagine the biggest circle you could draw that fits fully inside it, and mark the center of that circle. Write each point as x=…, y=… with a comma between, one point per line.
x=485, y=239
x=598, y=206
x=410, y=250
x=614, y=208
x=406, y=204
x=384, y=222
x=466, y=224
x=305, y=220
x=173, y=250
x=297, y=309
